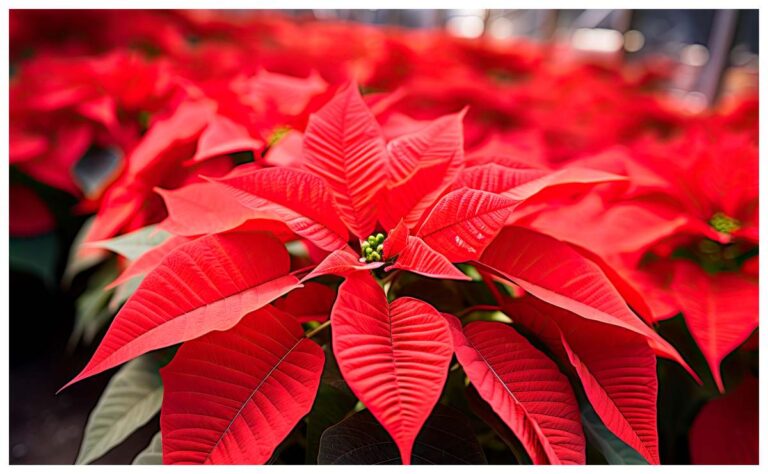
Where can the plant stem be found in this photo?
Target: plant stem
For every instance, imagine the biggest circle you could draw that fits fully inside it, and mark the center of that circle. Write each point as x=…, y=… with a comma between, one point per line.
x=313, y=332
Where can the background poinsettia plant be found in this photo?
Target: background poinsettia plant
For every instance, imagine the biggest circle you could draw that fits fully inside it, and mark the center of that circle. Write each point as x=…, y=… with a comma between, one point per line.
x=400, y=255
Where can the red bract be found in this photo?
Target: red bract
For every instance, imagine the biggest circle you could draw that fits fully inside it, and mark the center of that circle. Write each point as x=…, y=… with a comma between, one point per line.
x=302, y=200
x=197, y=139
x=202, y=286
x=28, y=213
x=131, y=203
x=565, y=278
x=344, y=145
x=718, y=196
x=717, y=324
x=618, y=375
x=541, y=410
x=463, y=222
x=228, y=260
x=63, y=108
x=394, y=356
x=418, y=257
x=311, y=302
x=726, y=429
x=230, y=397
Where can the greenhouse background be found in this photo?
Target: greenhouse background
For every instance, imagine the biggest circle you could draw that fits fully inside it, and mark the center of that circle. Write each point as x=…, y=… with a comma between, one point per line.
x=717, y=50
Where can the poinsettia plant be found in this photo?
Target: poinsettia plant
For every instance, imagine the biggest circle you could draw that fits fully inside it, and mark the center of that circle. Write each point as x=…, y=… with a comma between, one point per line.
x=541, y=331
x=348, y=244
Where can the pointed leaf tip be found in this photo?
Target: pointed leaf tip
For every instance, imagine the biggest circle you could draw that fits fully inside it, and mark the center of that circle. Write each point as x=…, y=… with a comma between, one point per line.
x=343, y=144
x=205, y=285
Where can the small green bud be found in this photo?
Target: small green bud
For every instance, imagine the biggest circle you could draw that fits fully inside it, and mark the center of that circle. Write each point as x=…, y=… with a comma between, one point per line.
x=372, y=240
x=380, y=248
x=368, y=250
x=365, y=245
x=379, y=237
x=375, y=257
x=723, y=223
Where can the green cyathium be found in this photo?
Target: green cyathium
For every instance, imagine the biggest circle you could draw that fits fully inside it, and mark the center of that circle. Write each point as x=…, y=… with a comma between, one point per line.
x=724, y=223
x=372, y=248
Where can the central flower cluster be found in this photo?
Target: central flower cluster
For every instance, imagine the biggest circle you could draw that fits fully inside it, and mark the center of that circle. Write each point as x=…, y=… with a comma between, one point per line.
x=372, y=248
x=724, y=223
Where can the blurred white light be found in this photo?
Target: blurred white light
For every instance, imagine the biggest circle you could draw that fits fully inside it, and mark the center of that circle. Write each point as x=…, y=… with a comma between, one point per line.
x=465, y=26
x=695, y=102
x=501, y=28
x=633, y=41
x=597, y=39
x=695, y=55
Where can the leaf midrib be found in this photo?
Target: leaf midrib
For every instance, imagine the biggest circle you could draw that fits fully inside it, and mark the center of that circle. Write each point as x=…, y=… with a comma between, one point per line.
x=249, y=398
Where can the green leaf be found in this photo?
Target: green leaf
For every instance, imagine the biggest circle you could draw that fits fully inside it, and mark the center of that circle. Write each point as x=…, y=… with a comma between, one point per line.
x=35, y=255
x=152, y=454
x=91, y=309
x=76, y=263
x=131, y=399
x=615, y=450
x=446, y=438
x=124, y=291
x=134, y=244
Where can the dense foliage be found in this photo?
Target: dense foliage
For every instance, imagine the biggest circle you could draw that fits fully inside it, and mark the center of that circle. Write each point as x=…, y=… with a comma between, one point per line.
x=385, y=246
